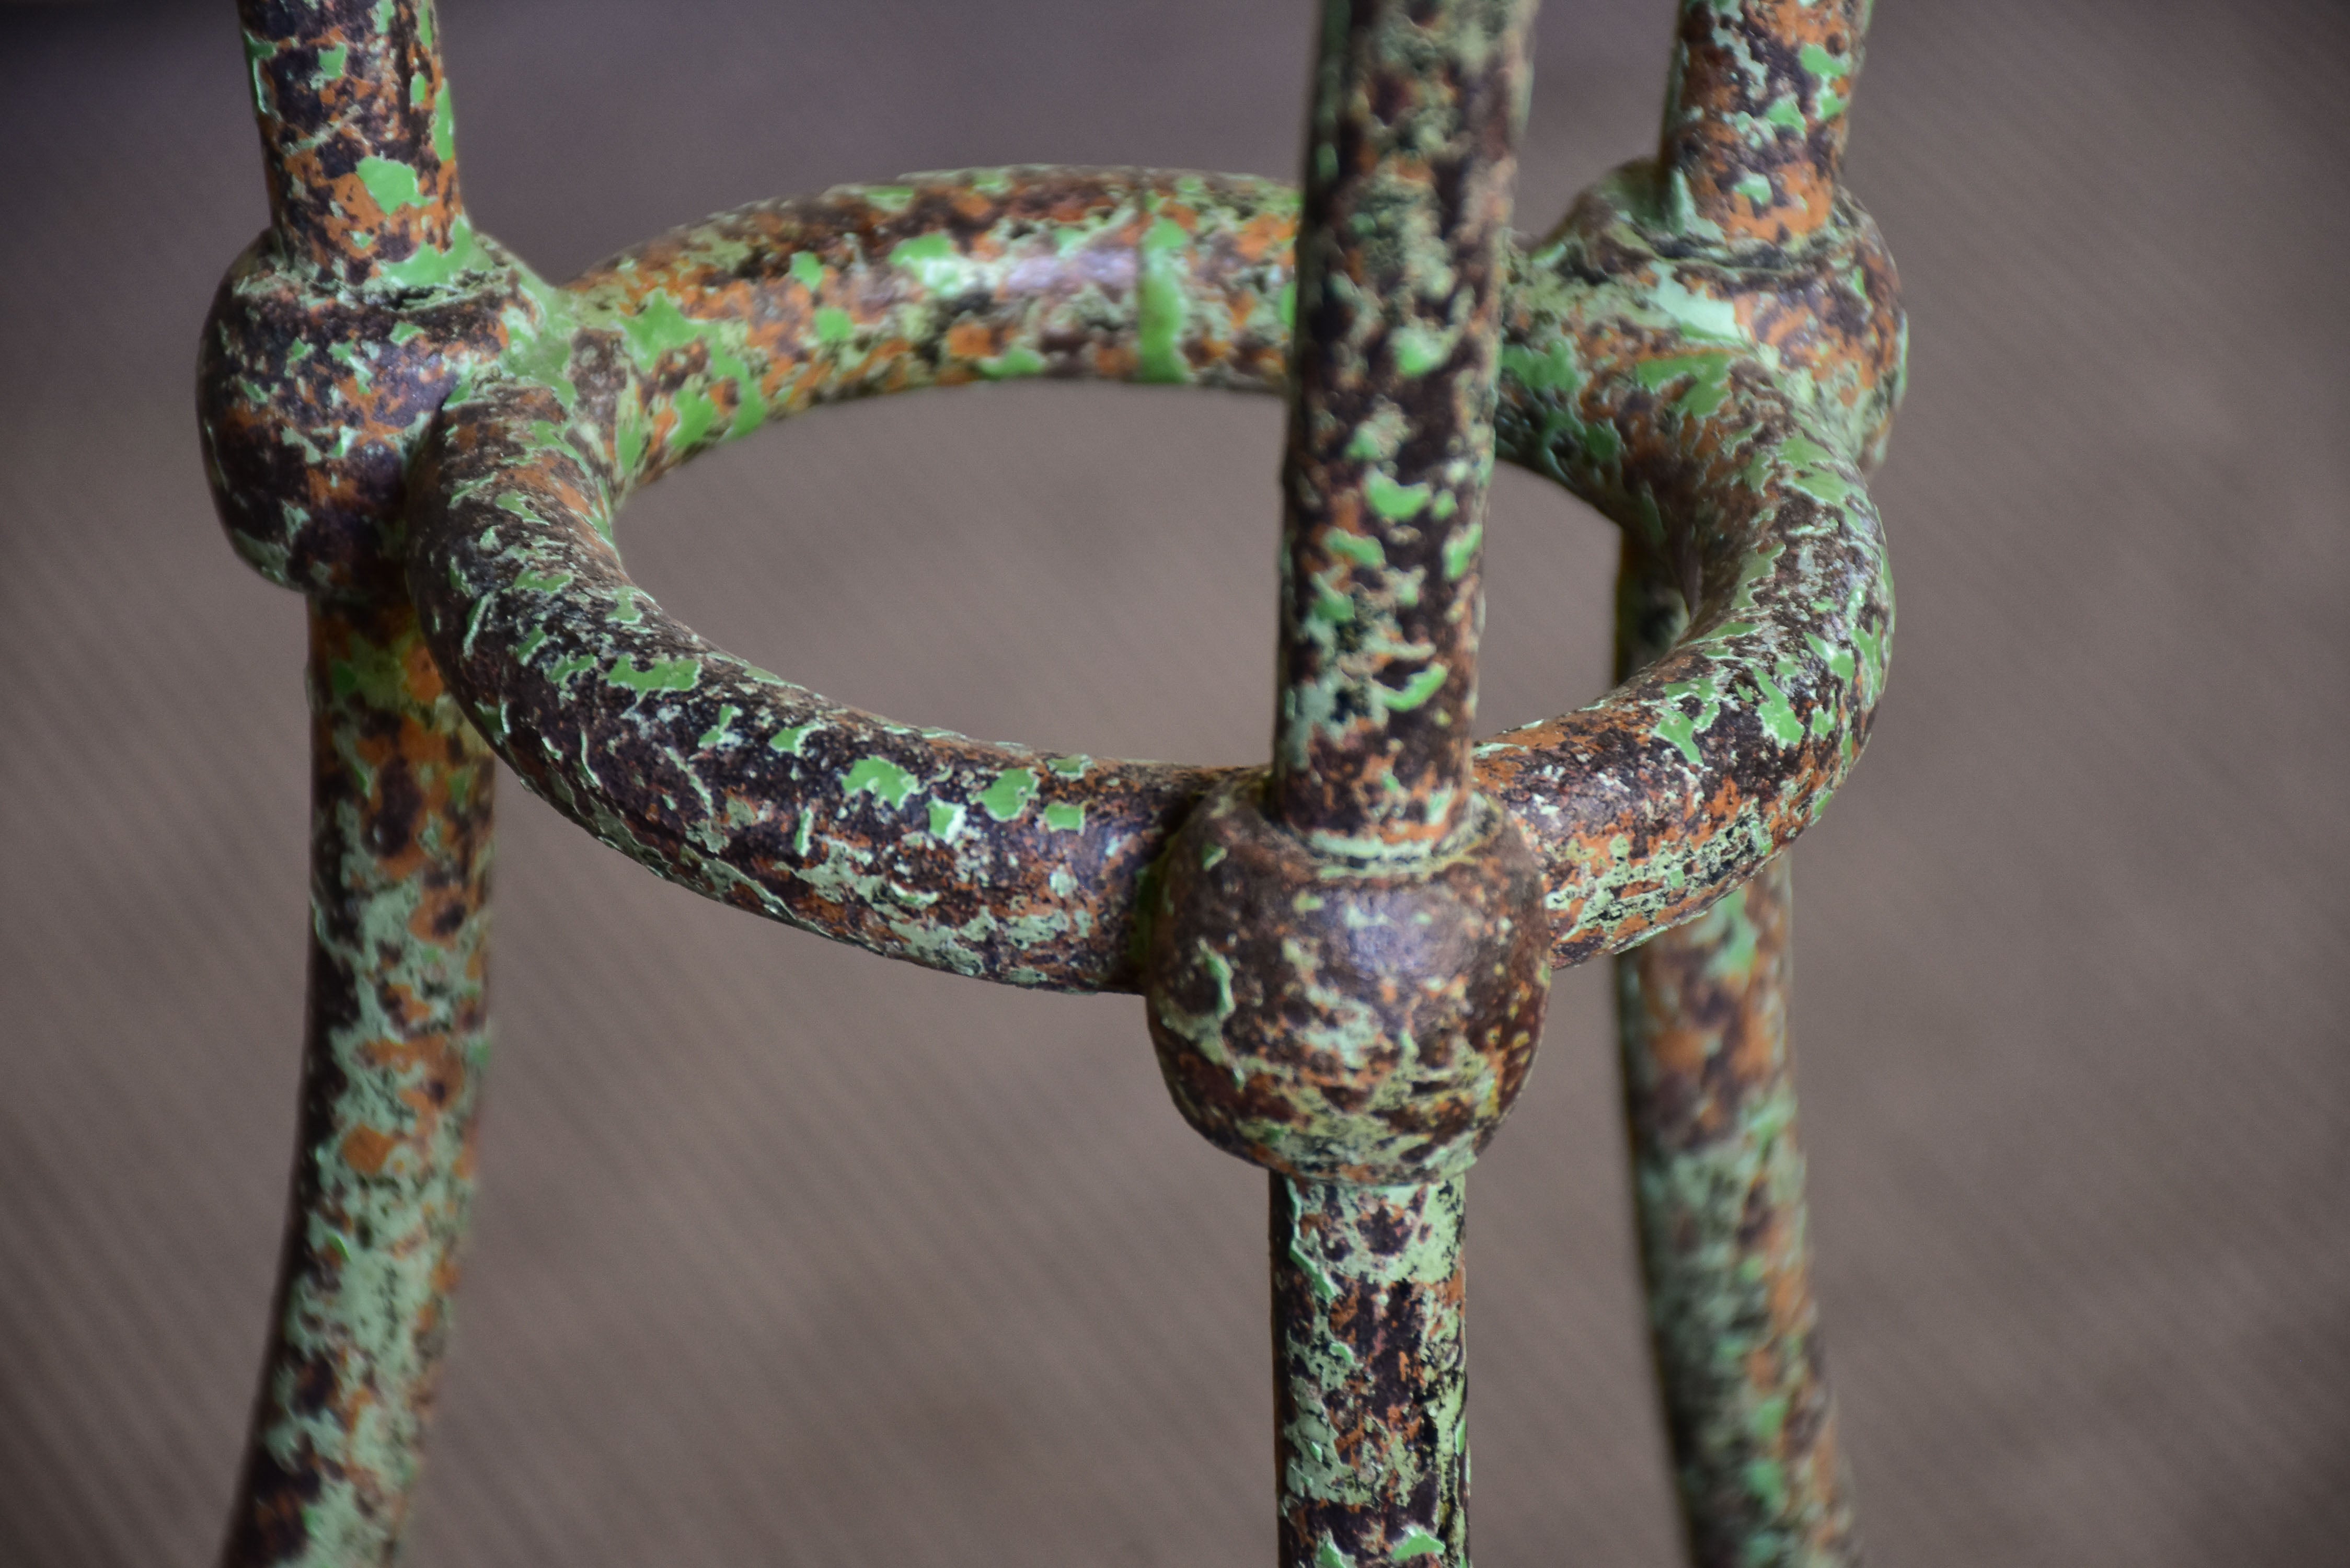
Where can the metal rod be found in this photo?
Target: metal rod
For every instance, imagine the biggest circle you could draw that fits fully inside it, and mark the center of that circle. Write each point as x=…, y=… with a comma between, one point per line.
x=396, y=1040
x=1754, y=126
x=1402, y=245
x=1718, y=1194
x=1412, y=150
x=1370, y=1373
x=1709, y=1087
x=356, y=131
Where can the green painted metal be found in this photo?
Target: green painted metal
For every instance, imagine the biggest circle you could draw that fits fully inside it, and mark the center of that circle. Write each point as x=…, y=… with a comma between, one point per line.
x=1345, y=953
x=1717, y=1181
x=1401, y=263
x=1370, y=1372
x=399, y=1037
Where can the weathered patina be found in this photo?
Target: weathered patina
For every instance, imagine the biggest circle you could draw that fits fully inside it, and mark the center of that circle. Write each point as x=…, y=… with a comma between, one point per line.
x=1401, y=261
x=1370, y=1372
x=1718, y=1180
x=1344, y=952
x=399, y=1033
x=1363, y=1023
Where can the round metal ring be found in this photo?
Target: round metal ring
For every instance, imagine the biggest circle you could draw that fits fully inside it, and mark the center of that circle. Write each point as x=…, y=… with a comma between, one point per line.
x=1648, y=398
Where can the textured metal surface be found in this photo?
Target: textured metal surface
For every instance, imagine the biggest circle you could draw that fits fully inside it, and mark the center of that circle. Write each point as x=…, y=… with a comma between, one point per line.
x=399, y=1035
x=1411, y=154
x=1718, y=1187
x=356, y=135
x=1708, y=1080
x=313, y=394
x=1633, y=378
x=329, y=347
x=1370, y=1373
x=957, y=854
x=1347, y=955
x=2073, y=1133
x=1717, y=1181
x=986, y=859
x=1754, y=120
x=1370, y=1025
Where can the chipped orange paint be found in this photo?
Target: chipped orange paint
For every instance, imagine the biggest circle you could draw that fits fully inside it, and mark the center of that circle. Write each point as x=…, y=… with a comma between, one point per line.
x=365, y=1149
x=1267, y=234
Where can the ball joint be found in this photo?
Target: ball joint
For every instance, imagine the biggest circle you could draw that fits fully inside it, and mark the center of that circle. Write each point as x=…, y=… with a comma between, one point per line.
x=1342, y=1023
x=311, y=397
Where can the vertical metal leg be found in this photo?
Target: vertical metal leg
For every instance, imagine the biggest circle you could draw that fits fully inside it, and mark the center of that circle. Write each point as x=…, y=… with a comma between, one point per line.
x=1370, y=1373
x=1709, y=1087
x=330, y=344
x=398, y=1030
x=1347, y=968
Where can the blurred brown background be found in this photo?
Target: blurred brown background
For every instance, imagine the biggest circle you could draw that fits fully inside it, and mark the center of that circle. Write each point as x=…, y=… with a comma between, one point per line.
x=788, y=1255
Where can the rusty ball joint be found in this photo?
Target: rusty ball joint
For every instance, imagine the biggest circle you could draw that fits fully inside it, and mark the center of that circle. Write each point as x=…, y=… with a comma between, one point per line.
x=1334, y=1022
x=311, y=396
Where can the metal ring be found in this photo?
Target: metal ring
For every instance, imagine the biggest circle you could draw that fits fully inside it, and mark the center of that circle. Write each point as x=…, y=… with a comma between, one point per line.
x=1640, y=394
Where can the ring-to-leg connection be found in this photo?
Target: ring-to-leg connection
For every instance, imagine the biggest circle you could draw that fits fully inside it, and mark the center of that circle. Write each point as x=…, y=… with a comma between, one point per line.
x=1344, y=954
x=1343, y=1022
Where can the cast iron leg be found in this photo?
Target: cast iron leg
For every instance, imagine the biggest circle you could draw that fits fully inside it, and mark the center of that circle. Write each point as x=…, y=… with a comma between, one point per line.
x=1370, y=1373
x=398, y=1030
x=1710, y=1089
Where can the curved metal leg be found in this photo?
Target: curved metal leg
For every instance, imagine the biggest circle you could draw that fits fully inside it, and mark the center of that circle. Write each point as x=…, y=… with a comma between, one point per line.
x=1710, y=1089
x=398, y=1030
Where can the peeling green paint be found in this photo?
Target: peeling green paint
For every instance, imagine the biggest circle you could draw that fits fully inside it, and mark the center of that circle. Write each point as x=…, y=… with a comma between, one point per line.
x=391, y=184
x=1718, y=1184
x=1460, y=551
x=393, y=1066
x=1418, y=690
x=887, y=782
x=719, y=733
x=662, y=675
x=1369, y=1373
x=1396, y=503
x=1009, y=795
